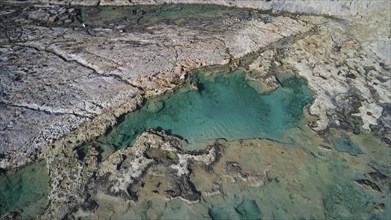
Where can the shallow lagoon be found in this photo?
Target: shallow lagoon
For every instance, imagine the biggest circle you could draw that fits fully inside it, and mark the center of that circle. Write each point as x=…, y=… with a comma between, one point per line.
x=218, y=106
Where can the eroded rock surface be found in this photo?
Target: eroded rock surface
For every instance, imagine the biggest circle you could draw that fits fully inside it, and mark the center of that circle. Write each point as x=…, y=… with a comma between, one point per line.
x=73, y=69
x=68, y=74
x=64, y=64
x=76, y=181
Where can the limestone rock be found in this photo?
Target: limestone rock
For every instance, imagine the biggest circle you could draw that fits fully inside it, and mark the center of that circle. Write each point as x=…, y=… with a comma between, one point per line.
x=73, y=71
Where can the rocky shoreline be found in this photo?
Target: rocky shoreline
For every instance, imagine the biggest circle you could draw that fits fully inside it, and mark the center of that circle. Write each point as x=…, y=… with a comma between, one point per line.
x=85, y=101
x=67, y=79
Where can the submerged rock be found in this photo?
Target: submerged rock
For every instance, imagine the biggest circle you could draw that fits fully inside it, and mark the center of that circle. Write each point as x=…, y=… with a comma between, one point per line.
x=218, y=214
x=368, y=183
x=344, y=144
x=152, y=154
x=248, y=209
x=344, y=200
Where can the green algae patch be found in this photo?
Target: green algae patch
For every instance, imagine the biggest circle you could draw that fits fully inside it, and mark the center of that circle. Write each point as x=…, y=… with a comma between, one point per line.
x=217, y=106
x=25, y=191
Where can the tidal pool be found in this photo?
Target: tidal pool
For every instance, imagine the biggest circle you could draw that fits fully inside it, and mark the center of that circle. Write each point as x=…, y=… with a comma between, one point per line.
x=217, y=106
x=25, y=191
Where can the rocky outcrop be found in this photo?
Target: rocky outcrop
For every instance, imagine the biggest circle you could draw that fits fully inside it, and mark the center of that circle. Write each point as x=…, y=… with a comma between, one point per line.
x=349, y=81
x=233, y=171
x=156, y=165
x=66, y=71
x=153, y=154
x=68, y=77
x=45, y=97
x=71, y=68
x=75, y=180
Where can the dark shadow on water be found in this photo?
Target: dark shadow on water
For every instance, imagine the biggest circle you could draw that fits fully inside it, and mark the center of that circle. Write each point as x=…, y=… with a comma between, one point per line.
x=200, y=87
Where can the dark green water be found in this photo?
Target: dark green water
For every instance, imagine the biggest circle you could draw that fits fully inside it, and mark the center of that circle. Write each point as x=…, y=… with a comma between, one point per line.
x=25, y=191
x=223, y=106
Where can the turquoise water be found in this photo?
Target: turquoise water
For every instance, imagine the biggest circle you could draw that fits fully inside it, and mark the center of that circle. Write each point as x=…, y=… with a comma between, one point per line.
x=25, y=191
x=221, y=106
x=304, y=181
